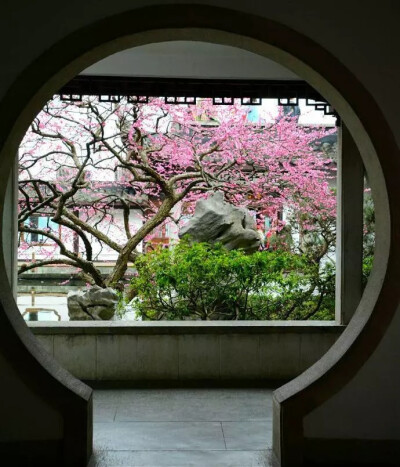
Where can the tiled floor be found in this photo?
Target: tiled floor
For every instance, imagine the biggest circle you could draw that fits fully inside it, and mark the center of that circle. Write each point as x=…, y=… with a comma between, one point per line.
x=182, y=427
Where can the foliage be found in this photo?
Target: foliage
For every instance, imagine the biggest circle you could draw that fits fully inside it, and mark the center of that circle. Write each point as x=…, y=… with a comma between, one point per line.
x=122, y=303
x=369, y=225
x=366, y=268
x=81, y=161
x=203, y=282
x=368, y=234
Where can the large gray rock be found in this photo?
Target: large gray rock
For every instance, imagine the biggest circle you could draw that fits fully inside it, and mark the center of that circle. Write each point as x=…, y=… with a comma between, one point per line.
x=216, y=221
x=93, y=304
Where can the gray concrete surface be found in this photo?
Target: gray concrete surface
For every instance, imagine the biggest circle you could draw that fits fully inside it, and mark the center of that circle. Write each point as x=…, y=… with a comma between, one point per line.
x=182, y=427
x=182, y=351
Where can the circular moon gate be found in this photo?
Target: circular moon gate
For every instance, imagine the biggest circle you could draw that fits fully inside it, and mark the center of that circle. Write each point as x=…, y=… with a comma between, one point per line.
x=356, y=107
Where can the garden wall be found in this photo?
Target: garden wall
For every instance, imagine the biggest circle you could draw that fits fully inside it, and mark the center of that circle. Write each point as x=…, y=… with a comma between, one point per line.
x=187, y=351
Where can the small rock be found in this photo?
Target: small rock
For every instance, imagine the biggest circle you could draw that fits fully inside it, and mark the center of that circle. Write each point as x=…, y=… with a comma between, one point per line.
x=94, y=304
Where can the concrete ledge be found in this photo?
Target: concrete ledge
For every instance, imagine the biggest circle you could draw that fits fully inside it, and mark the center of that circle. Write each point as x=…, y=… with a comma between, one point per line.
x=180, y=351
x=182, y=327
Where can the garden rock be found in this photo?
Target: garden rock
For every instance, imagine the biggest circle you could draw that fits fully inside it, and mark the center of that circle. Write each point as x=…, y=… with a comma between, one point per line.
x=94, y=304
x=216, y=221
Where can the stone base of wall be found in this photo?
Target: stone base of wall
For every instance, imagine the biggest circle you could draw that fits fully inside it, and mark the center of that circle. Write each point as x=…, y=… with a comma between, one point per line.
x=176, y=352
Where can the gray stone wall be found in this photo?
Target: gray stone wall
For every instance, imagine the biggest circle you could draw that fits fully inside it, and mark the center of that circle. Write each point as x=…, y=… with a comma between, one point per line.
x=179, y=351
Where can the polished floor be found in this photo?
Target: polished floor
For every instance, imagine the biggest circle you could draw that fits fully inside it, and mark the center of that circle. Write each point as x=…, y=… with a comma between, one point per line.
x=182, y=427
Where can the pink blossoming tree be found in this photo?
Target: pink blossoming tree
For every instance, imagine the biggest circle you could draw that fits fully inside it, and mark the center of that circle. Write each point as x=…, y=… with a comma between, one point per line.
x=80, y=161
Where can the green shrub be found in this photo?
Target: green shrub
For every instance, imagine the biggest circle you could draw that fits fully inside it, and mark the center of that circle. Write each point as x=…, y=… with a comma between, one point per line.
x=202, y=282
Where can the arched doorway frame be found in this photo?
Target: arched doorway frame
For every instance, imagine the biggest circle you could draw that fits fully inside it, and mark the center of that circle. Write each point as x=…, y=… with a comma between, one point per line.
x=295, y=51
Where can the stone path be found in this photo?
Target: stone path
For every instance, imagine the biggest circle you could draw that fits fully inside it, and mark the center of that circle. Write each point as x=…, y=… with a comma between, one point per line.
x=182, y=427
